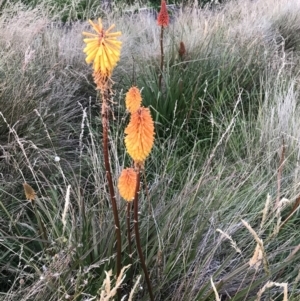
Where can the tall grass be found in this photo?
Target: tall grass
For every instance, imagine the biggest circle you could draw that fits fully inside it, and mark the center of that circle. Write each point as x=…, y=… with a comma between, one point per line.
x=221, y=118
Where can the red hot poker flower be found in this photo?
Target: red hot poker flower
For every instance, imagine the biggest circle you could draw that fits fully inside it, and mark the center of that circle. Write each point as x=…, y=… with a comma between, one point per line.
x=133, y=99
x=139, y=135
x=163, y=16
x=127, y=184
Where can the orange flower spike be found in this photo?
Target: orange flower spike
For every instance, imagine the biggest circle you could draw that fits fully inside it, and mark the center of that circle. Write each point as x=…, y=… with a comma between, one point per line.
x=127, y=184
x=133, y=99
x=163, y=16
x=140, y=134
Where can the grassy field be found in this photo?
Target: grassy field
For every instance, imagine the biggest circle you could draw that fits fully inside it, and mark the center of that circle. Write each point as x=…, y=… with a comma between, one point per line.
x=219, y=204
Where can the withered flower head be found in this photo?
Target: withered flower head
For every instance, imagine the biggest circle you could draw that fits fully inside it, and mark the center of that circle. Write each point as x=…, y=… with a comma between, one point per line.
x=127, y=184
x=181, y=50
x=103, y=49
x=140, y=134
x=163, y=15
x=29, y=192
x=133, y=99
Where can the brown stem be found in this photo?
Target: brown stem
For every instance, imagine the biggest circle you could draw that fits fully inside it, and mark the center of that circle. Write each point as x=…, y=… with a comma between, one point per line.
x=147, y=192
x=128, y=230
x=137, y=235
x=104, y=114
x=161, y=57
x=129, y=240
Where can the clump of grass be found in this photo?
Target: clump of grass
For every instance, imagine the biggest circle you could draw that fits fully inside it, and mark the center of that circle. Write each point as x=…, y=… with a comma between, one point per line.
x=40, y=68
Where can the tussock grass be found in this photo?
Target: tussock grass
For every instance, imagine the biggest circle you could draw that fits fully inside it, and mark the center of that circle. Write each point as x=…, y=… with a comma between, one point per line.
x=220, y=121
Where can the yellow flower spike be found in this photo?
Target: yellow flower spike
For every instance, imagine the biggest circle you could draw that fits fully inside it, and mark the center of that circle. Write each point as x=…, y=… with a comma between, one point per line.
x=140, y=134
x=133, y=99
x=103, y=50
x=127, y=184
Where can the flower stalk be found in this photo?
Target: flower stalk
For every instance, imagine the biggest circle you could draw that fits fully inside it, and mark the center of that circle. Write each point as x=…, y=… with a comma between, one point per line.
x=103, y=50
x=129, y=240
x=162, y=57
x=137, y=235
x=31, y=196
x=105, y=124
x=162, y=21
x=139, y=141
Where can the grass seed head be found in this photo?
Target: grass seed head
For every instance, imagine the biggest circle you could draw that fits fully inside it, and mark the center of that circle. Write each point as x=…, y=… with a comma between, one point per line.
x=29, y=192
